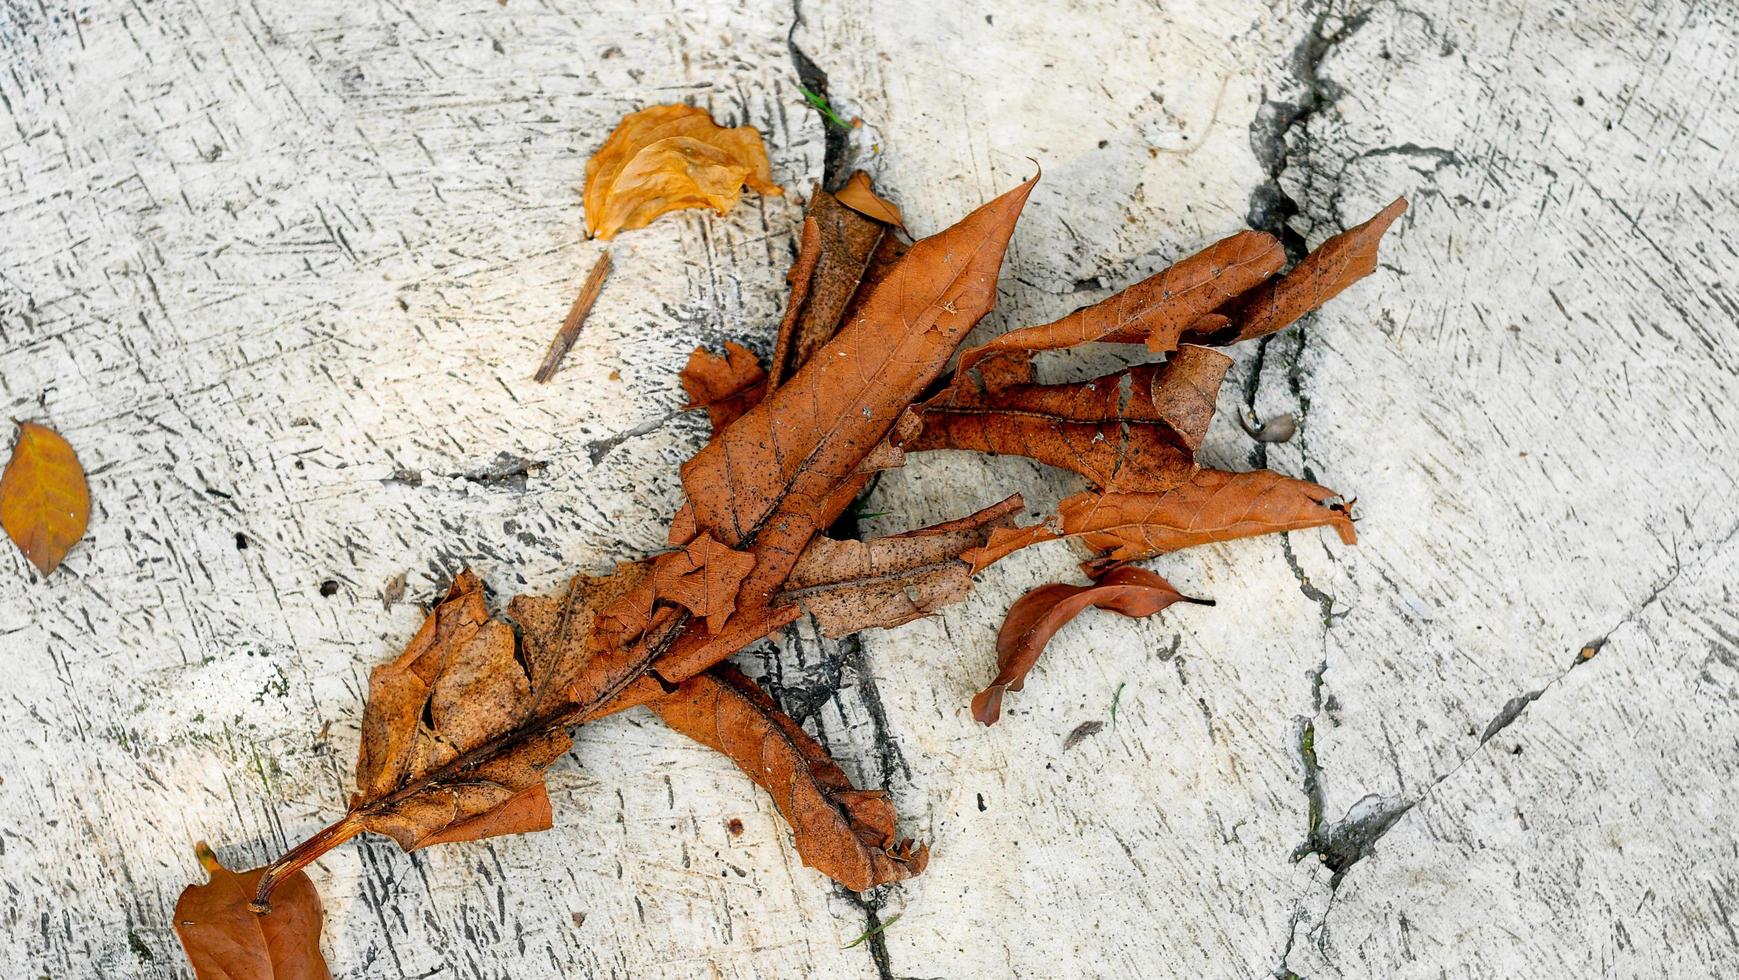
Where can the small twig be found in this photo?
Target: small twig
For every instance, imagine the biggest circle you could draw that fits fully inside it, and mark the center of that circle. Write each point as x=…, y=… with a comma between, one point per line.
x=570, y=331
x=1114, y=699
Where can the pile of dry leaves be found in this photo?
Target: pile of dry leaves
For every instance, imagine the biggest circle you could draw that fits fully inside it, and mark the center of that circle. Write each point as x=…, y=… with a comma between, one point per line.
x=458, y=730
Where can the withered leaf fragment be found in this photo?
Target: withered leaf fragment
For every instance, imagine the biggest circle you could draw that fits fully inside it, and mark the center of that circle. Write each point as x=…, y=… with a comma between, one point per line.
x=45, y=504
x=225, y=940
x=1036, y=617
x=669, y=157
x=786, y=469
x=1213, y=506
x=1319, y=277
x=1157, y=310
x=702, y=578
x=858, y=195
x=888, y=581
x=845, y=833
x=725, y=385
x=1137, y=429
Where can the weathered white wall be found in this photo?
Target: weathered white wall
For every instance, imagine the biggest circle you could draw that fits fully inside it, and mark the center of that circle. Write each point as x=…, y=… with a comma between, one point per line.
x=282, y=271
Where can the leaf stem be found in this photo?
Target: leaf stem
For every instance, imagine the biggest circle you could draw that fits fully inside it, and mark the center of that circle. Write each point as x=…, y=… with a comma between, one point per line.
x=301, y=856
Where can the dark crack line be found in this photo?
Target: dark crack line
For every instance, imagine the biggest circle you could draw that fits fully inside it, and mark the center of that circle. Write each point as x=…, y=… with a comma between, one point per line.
x=1278, y=125
x=597, y=449
x=1271, y=207
x=836, y=150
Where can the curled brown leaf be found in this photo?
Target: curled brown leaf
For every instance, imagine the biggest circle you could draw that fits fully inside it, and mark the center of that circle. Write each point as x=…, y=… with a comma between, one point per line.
x=1319, y=277
x=225, y=940
x=1213, y=506
x=887, y=581
x=1157, y=310
x=1137, y=429
x=843, y=832
x=833, y=263
x=1037, y=616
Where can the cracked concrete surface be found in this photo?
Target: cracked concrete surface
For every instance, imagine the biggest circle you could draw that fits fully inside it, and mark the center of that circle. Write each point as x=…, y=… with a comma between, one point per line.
x=273, y=262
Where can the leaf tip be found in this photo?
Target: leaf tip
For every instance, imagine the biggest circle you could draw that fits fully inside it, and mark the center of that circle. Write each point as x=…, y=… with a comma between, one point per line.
x=987, y=705
x=207, y=857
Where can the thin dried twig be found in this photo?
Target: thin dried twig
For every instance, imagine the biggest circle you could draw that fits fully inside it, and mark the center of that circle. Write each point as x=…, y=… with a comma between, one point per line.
x=564, y=338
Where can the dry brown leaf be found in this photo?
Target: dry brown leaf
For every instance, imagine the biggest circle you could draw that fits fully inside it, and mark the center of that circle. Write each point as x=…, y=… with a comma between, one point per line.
x=843, y=832
x=670, y=157
x=888, y=581
x=703, y=578
x=833, y=258
x=225, y=940
x=457, y=687
x=858, y=195
x=45, y=505
x=1157, y=310
x=726, y=386
x=1035, y=618
x=1213, y=506
x=1137, y=429
x=1321, y=276
x=777, y=475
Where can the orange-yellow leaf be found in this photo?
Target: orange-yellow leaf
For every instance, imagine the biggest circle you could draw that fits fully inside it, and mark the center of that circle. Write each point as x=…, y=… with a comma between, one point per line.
x=44, y=502
x=858, y=195
x=670, y=157
x=225, y=940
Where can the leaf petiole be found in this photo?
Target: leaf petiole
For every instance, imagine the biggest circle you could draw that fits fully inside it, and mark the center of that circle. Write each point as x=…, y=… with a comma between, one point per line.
x=301, y=856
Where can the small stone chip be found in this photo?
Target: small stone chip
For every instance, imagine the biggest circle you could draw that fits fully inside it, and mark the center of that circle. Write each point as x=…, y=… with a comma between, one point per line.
x=1081, y=731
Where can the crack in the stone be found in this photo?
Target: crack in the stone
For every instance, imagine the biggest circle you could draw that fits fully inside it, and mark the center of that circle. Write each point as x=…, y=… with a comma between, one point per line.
x=1277, y=124
x=597, y=449
x=1324, y=601
x=1271, y=207
x=505, y=472
x=836, y=149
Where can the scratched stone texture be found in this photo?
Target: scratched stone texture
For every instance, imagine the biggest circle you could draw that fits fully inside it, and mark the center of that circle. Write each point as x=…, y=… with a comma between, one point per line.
x=280, y=272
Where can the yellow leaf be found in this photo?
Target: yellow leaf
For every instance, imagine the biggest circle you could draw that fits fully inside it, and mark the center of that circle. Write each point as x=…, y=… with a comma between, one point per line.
x=670, y=157
x=44, y=503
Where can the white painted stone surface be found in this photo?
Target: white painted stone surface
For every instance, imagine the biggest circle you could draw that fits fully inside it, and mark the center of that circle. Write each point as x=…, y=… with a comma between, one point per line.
x=281, y=272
